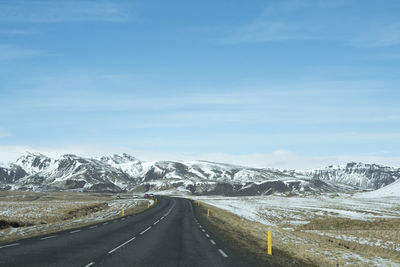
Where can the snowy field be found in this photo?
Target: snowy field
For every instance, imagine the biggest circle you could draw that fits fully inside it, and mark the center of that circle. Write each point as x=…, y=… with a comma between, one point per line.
x=359, y=229
x=39, y=216
x=290, y=211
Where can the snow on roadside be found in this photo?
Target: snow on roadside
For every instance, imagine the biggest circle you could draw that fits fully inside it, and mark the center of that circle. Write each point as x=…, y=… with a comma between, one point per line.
x=283, y=214
x=271, y=210
x=114, y=210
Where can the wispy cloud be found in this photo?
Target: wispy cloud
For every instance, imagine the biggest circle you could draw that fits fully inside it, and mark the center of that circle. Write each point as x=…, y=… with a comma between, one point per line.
x=45, y=11
x=312, y=102
x=10, y=52
x=284, y=159
x=313, y=20
x=379, y=35
x=4, y=133
x=280, y=159
x=263, y=30
x=20, y=32
x=283, y=21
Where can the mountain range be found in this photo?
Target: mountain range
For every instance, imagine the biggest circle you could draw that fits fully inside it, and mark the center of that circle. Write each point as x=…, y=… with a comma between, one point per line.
x=125, y=173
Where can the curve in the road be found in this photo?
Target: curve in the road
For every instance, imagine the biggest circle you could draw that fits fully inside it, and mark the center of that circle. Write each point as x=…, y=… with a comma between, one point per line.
x=166, y=235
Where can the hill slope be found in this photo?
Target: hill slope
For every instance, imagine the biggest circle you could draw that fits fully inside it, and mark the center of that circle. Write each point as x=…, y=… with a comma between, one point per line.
x=33, y=171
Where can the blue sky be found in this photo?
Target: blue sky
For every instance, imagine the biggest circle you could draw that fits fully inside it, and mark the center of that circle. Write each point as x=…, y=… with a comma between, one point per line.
x=285, y=84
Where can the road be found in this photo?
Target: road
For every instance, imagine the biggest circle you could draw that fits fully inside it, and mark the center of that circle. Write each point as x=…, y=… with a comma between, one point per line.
x=166, y=235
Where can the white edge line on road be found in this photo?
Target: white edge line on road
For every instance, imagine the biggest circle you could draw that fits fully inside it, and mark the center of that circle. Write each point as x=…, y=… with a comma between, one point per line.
x=156, y=222
x=212, y=241
x=94, y=226
x=203, y=230
x=90, y=264
x=123, y=244
x=11, y=245
x=73, y=232
x=145, y=230
x=222, y=253
x=47, y=237
x=122, y=219
x=105, y=223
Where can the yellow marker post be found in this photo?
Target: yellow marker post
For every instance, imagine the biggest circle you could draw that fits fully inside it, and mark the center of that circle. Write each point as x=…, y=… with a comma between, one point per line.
x=122, y=212
x=269, y=242
x=208, y=212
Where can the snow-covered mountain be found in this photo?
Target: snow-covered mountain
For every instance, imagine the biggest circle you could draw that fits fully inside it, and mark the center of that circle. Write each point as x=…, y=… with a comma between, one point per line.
x=391, y=190
x=33, y=171
x=69, y=172
x=367, y=176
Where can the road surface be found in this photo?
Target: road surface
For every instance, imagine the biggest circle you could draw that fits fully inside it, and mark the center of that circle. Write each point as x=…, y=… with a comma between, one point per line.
x=166, y=235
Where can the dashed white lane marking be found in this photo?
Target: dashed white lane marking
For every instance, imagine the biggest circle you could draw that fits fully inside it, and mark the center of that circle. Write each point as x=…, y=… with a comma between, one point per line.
x=90, y=264
x=123, y=244
x=223, y=253
x=48, y=237
x=73, y=232
x=203, y=230
x=162, y=217
x=156, y=222
x=94, y=226
x=148, y=228
x=105, y=223
x=212, y=241
x=207, y=235
x=10, y=245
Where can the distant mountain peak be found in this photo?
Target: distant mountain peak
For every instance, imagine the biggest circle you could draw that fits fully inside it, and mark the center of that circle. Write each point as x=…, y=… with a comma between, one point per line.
x=364, y=175
x=35, y=171
x=119, y=159
x=33, y=162
x=28, y=154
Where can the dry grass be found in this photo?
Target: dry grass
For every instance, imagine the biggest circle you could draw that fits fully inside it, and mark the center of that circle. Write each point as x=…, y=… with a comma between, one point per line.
x=33, y=213
x=332, y=223
x=336, y=240
x=247, y=238
x=380, y=237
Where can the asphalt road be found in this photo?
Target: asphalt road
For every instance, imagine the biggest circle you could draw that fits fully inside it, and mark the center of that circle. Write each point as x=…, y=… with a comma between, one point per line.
x=166, y=235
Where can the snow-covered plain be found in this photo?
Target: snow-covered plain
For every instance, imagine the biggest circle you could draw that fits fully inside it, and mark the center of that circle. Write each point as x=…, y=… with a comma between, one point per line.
x=48, y=217
x=277, y=210
x=285, y=215
x=391, y=190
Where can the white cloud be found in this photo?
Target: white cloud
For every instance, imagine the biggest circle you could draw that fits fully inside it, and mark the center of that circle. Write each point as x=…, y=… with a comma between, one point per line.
x=4, y=133
x=22, y=32
x=285, y=21
x=268, y=30
x=283, y=159
x=9, y=52
x=380, y=35
x=312, y=102
x=43, y=11
x=313, y=20
x=280, y=159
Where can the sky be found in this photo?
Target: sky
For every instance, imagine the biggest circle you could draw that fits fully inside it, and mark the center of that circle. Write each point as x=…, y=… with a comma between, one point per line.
x=283, y=84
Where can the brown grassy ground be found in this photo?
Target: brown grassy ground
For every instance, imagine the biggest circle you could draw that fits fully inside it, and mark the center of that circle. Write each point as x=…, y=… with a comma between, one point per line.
x=28, y=214
x=322, y=242
x=247, y=238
